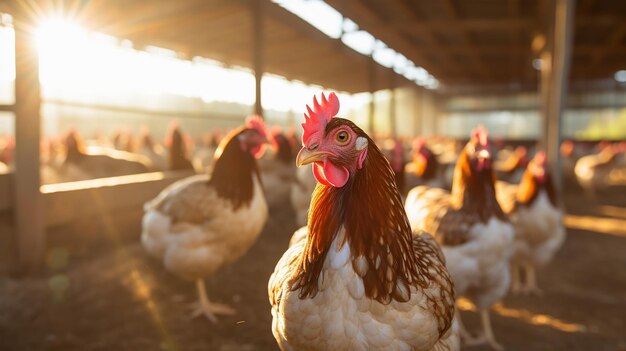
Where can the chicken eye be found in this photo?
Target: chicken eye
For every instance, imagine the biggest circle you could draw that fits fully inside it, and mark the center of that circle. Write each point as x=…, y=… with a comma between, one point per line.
x=342, y=137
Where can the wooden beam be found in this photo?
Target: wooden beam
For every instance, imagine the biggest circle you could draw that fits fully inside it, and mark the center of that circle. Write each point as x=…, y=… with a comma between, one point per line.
x=452, y=14
x=257, y=54
x=372, y=107
x=7, y=108
x=613, y=42
x=500, y=24
x=369, y=20
x=392, y=105
x=31, y=240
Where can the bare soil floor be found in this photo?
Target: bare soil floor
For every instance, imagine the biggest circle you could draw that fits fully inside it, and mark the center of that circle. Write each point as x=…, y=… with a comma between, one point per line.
x=115, y=297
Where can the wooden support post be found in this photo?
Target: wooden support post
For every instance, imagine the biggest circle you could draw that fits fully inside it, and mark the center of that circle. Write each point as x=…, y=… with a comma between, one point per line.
x=372, y=86
x=392, y=105
x=556, y=93
x=29, y=217
x=257, y=45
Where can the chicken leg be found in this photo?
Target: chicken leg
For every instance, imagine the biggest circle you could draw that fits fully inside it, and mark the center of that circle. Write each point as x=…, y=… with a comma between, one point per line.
x=206, y=307
x=530, y=285
x=516, y=283
x=487, y=337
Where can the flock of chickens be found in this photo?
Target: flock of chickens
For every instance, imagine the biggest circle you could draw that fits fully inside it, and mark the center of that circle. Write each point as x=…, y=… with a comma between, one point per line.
x=384, y=250
x=370, y=268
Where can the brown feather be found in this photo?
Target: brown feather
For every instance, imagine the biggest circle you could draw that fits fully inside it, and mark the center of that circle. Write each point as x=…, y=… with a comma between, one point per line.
x=233, y=170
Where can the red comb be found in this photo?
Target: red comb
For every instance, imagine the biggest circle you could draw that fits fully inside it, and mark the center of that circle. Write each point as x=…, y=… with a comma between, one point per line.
x=256, y=122
x=321, y=114
x=481, y=136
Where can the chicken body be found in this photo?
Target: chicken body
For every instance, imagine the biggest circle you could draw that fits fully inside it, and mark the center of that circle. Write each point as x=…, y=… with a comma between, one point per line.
x=598, y=172
x=342, y=317
x=538, y=220
x=191, y=228
x=479, y=261
x=278, y=171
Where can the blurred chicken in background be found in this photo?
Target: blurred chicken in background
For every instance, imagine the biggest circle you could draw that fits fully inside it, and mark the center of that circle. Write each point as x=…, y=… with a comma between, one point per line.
x=534, y=209
x=475, y=234
x=511, y=165
x=278, y=169
x=424, y=169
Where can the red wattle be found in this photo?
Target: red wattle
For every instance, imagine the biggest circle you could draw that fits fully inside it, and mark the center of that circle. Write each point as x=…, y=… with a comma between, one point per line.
x=330, y=175
x=258, y=151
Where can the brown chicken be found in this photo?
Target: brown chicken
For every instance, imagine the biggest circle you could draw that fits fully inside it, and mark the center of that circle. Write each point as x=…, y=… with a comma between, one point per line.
x=356, y=278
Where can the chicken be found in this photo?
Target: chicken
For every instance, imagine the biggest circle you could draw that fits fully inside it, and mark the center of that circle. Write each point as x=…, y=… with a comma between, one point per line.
x=424, y=169
x=596, y=172
x=277, y=170
x=301, y=191
x=177, y=150
x=512, y=168
x=153, y=151
x=534, y=211
x=475, y=234
x=356, y=278
x=99, y=162
x=199, y=224
x=203, y=156
x=396, y=158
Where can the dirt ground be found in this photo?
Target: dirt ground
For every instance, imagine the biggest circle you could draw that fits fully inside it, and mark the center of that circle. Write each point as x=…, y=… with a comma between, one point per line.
x=115, y=297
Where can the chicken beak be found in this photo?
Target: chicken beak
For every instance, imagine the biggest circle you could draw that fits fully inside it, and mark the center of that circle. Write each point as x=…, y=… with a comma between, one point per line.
x=305, y=157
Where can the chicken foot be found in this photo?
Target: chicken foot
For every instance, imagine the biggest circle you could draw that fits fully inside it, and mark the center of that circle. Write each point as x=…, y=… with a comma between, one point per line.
x=488, y=336
x=208, y=308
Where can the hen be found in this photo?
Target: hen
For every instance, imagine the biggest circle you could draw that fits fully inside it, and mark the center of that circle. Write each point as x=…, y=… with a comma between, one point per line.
x=200, y=224
x=396, y=159
x=178, y=158
x=475, y=234
x=153, y=151
x=356, y=278
x=424, y=169
x=597, y=172
x=100, y=162
x=534, y=211
x=512, y=167
x=278, y=170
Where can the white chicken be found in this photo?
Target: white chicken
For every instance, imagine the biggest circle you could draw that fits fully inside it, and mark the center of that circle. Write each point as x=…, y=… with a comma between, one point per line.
x=475, y=234
x=598, y=172
x=534, y=211
x=356, y=278
x=201, y=223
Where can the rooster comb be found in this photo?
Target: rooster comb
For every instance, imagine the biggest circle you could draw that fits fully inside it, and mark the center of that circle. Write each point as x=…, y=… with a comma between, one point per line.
x=480, y=135
x=256, y=122
x=316, y=120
